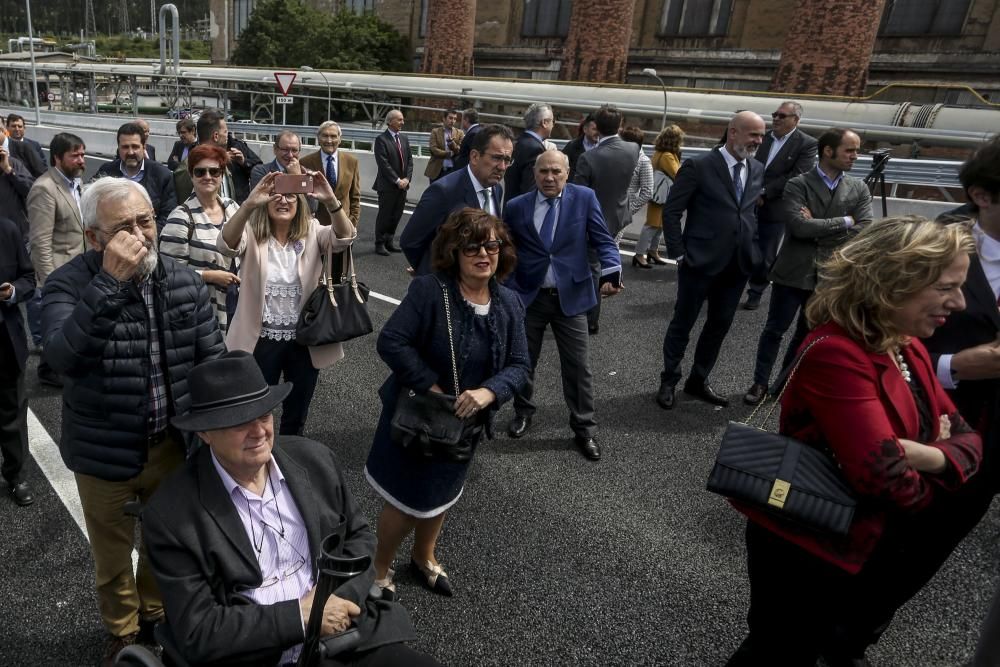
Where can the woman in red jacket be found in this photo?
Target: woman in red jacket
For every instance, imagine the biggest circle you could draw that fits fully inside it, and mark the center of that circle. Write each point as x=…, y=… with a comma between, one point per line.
x=867, y=394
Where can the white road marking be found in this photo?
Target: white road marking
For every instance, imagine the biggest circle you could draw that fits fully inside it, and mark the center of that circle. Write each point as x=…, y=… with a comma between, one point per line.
x=46, y=454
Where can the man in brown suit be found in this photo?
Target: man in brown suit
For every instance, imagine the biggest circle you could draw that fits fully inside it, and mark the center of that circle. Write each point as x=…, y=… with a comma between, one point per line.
x=54, y=219
x=445, y=144
x=340, y=169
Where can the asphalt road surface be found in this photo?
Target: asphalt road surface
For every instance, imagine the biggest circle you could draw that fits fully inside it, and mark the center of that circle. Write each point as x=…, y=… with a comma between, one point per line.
x=556, y=560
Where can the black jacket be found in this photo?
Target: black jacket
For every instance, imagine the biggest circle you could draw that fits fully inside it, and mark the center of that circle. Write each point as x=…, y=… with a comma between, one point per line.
x=158, y=182
x=241, y=172
x=96, y=335
x=203, y=560
x=16, y=269
x=14, y=189
x=177, y=154
x=30, y=153
x=520, y=176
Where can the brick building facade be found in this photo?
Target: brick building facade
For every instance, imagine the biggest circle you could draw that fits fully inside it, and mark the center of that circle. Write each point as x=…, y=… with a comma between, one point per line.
x=714, y=44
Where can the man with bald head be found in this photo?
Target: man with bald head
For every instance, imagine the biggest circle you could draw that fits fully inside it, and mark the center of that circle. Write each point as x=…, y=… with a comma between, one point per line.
x=395, y=169
x=716, y=252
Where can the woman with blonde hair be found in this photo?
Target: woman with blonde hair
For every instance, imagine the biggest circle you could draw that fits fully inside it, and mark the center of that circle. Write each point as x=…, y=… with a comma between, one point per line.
x=281, y=246
x=666, y=162
x=865, y=392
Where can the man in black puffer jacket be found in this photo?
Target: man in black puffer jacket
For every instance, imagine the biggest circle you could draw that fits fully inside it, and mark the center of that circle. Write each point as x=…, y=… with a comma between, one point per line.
x=124, y=327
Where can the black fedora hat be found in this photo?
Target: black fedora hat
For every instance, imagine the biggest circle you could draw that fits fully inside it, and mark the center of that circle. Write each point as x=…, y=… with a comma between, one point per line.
x=228, y=391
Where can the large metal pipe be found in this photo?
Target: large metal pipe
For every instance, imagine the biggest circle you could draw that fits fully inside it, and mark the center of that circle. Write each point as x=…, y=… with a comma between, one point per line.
x=172, y=10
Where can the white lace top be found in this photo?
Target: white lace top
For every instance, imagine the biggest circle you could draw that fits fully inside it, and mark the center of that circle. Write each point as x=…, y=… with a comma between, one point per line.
x=283, y=291
x=480, y=309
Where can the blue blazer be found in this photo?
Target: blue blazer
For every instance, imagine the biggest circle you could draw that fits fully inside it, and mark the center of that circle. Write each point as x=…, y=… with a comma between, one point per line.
x=444, y=196
x=717, y=227
x=579, y=229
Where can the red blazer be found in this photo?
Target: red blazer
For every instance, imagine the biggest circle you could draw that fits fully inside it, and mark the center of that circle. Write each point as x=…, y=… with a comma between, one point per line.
x=855, y=403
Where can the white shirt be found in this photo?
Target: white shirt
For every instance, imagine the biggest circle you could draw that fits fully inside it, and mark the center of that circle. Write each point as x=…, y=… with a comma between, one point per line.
x=479, y=187
x=731, y=161
x=776, y=144
x=988, y=249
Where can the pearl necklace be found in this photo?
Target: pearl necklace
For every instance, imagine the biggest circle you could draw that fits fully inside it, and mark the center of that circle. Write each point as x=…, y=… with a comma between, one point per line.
x=904, y=369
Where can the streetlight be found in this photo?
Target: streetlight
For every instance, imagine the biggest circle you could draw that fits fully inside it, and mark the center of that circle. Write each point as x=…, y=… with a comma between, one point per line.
x=306, y=68
x=649, y=71
x=34, y=75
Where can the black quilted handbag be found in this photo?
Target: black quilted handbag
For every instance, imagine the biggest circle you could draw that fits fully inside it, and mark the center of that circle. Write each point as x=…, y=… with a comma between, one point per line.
x=781, y=475
x=335, y=311
x=425, y=425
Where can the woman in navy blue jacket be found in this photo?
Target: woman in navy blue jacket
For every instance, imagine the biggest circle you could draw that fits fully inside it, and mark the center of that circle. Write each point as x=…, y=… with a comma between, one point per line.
x=471, y=253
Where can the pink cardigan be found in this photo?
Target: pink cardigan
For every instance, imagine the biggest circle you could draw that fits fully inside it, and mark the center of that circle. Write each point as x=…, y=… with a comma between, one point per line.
x=244, y=330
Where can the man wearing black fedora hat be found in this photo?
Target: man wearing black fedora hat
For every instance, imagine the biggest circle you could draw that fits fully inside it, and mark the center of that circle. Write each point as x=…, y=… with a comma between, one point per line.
x=234, y=536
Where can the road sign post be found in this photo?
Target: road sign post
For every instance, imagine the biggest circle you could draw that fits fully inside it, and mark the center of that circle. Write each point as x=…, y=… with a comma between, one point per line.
x=285, y=81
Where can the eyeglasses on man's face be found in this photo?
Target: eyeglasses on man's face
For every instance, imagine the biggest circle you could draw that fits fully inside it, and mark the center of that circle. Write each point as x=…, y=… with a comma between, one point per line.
x=473, y=249
x=777, y=115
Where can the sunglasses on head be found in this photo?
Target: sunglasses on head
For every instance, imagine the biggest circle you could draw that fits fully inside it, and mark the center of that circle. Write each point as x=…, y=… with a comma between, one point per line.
x=472, y=249
x=214, y=172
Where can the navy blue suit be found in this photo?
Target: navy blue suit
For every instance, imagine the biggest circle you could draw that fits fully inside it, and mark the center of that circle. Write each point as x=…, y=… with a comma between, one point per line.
x=16, y=269
x=580, y=229
x=719, y=247
x=444, y=196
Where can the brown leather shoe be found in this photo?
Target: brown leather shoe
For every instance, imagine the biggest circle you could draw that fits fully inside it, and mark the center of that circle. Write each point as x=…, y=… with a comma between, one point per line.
x=113, y=645
x=755, y=394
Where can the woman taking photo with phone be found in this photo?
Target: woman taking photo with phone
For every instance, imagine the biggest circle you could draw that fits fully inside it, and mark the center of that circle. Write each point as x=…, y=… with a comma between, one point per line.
x=281, y=247
x=459, y=315
x=193, y=228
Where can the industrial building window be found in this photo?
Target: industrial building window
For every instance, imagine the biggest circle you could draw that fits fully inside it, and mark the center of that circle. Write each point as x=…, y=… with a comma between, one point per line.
x=242, y=9
x=546, y=18
x=924, y=17
x=695, y=18
x=360, y=6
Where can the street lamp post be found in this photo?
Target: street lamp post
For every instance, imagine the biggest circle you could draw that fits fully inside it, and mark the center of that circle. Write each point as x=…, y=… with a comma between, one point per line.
x=306, y=68
x=34, y=75
x=649, y=71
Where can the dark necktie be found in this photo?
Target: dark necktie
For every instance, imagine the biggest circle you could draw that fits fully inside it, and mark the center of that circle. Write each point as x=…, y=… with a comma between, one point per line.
x=331, y=172
x=548, y=223
x=399, y=147
x=737, y=181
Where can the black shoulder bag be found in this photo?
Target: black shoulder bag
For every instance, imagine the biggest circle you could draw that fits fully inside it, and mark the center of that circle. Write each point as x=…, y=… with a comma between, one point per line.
x=781, y=475
x=425, y=424
x=335, y=311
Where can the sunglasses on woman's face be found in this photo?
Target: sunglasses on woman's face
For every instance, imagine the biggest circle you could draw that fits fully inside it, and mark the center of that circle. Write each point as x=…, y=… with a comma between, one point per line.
x=472, y=249
x=201, y=172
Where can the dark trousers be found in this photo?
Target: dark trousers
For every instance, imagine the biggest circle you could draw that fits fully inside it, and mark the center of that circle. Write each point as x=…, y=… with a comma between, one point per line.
x=33, y=308
x=722, y=291
x=389, y=655
x=390, y=210
x=13, y=411
x=287, y=358
x=802, y=606
x=444, y=172
x=769, y=236
x=572, y=341
x=786, y=302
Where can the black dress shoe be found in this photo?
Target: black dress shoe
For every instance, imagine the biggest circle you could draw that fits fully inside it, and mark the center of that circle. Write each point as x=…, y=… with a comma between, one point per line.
x=752, y=303
x=704, y=392
x=588, y=447
x=665, y=396
x=518, y=426
x=49, y=377
x=593, y=329
x=380, y=250
x=392, y=247
x=755, y=394
x=21, y=493
x=434, y=577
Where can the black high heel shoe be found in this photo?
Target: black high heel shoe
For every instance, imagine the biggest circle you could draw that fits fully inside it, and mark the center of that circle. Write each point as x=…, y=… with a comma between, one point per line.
x=636, y=262
x=434, y=577
x=656, y=259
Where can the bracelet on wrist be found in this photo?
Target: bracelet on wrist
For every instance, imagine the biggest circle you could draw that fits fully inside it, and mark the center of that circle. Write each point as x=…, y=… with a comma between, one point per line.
x=340, y=205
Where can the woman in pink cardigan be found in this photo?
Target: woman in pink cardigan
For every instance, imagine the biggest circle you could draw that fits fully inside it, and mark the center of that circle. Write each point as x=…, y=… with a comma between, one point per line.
x=282, y=248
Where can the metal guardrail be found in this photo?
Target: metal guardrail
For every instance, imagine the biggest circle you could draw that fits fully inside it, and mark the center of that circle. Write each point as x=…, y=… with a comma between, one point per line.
x=899, y=171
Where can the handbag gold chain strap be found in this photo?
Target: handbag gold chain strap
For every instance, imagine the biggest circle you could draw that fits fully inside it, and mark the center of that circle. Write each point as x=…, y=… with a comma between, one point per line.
x=451, y=339
x=788, y=381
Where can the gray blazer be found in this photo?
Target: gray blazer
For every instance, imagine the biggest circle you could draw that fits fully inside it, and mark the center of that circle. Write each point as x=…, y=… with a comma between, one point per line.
x=607, y=170
x=810, y=241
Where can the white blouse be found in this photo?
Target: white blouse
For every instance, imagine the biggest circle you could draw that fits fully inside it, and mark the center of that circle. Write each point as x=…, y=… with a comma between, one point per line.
x=283, y=291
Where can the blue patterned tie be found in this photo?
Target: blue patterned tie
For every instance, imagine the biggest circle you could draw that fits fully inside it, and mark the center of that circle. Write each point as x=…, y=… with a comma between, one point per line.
x=331, y=173
x=737, y=181
x=549, y=223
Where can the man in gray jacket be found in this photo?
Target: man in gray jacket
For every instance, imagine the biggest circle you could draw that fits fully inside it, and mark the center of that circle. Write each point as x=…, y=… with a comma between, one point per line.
x=824, y=207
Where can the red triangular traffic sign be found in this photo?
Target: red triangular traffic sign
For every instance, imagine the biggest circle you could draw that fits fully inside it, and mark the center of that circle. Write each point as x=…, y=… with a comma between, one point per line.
x=285, y=80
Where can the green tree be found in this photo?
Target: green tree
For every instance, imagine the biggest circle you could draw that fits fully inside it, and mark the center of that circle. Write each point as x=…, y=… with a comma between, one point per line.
x=288, y=33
